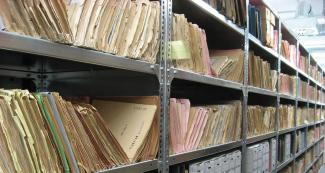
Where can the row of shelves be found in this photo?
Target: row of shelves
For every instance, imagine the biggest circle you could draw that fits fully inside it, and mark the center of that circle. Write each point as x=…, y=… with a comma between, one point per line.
x=296, y=155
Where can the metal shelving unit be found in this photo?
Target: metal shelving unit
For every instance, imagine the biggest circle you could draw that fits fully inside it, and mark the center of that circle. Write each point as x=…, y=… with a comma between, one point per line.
x=55, y=61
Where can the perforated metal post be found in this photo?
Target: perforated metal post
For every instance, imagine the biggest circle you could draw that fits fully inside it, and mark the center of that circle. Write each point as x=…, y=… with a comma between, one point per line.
x=278, y=99
x=164, y=84
x=245, y=94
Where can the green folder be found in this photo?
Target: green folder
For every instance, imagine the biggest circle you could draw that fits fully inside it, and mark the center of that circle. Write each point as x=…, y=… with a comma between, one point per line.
x=57, y=140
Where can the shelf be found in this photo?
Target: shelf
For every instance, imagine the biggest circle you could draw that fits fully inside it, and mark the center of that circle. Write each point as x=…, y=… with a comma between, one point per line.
x=204, y=79
x=25, y=44
x=207, y=9
x=133, y=168
x=301, y=126
x=286, y=62
x=285, y=96
x=310, y=166
x=262, y=91
x=284, y=131
x=316, y=82
x=260, y=45
x=188, y=156
x=284, y=164
x=303, y=73
x=302, y=100
x=300, y=153
x=260, y=138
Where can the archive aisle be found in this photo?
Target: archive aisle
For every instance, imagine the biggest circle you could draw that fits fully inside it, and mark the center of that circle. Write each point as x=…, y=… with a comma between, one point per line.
x=138, y=86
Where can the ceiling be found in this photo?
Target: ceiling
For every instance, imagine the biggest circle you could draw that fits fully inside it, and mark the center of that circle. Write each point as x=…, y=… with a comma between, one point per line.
x=306, y=19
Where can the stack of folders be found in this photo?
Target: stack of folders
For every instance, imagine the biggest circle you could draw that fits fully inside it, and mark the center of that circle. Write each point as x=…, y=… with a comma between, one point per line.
x=230, y=162
x=284, y=148
x=102, y=25
x=317, y=133
x=43, y=132
x=310, y=136
x=260, y=73
x=302, y=114
x=288, y=51
x=300, y=165
x=318, y=165
x=317, y=149
x=300, y=140
x=288, y=84
x=205, y=126
x=303, y=87
x=315, y=73
x=303, y=63
x=261, y=120
x=311, y=115
x=189, y=51
x=258, y=158
x=322, y=129
x=262, y=24
x=287, y=169
x=318, y=115
x=234, y=10
x=312, y=95
x=318, y=93
x=228, y=64
x=189, y=46
x=309, y=157
x=273, y=158
x=286, y=113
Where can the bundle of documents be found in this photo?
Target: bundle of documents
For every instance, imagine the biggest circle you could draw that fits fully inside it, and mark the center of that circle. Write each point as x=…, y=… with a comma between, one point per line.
x=318, y=95
x=312, y=93
x=288, y=51
x=233, y=9
x=44, y=133
x=29, y=143
x=318, y=115
x=134, y=122
x=300, y=140
x=126, y=28
x=309, y=157
x=189, y=46
x=303, y=63
x=261, y=120
x=230, y=162
x=310, y=136
x=228, y=64
x=317, y=133
x=303, y=87
x=302, y=116
x=258, y=158
x=286, y=116
x=288, y=84
x=315, y=73
x=284, y=148
x=260, y=73
x=273, y=155
x=199, y=127
x=287, y=169
x=311, y=115
x=300, y=165
x=262, y=24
